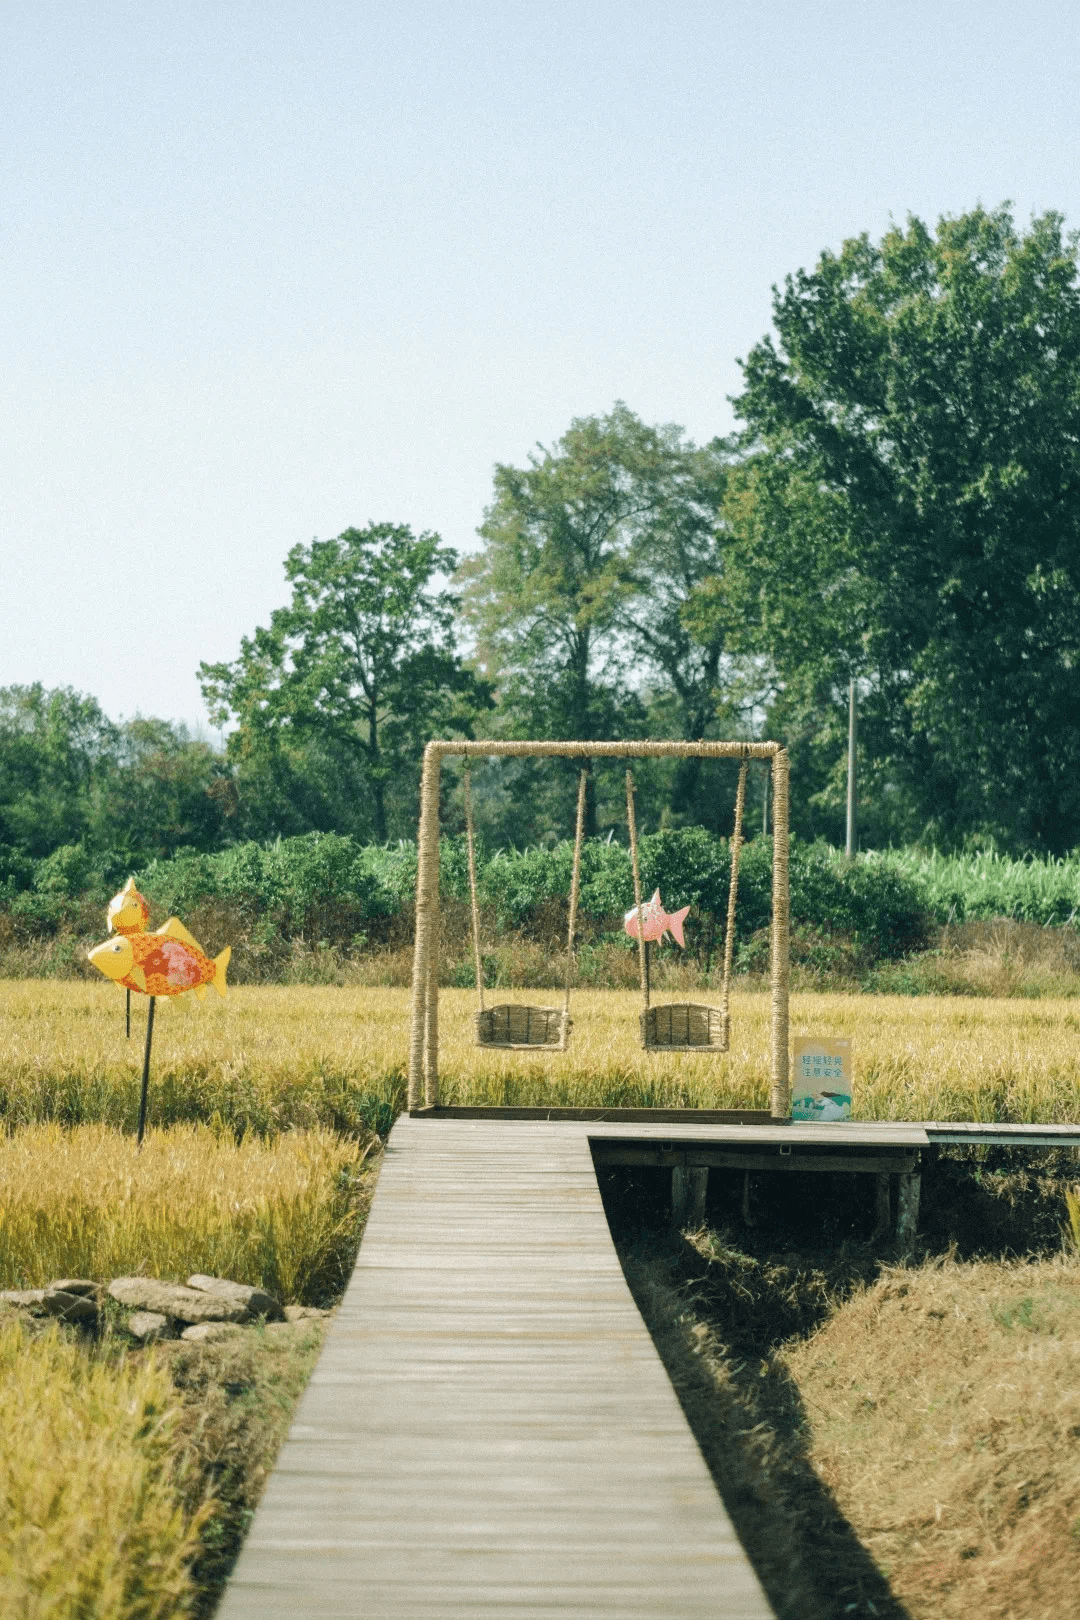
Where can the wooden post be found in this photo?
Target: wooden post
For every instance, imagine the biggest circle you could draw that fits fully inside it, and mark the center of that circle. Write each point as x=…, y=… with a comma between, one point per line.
x=882, y=1206
x=689, y=1189
x=907, y=1209
x=146, y=1070
x=780, y=1086
x=128, y=1017
x=421, y=1057
x=747, y=1214
x=850, y=846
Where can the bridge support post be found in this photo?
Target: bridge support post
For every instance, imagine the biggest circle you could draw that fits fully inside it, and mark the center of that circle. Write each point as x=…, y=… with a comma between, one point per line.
x=689, y=1189
x=882, y=1206
x=907, y=1209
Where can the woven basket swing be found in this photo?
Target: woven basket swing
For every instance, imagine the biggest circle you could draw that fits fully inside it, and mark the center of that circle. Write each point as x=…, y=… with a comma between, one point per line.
x=514, y=1026
x=687, y=1025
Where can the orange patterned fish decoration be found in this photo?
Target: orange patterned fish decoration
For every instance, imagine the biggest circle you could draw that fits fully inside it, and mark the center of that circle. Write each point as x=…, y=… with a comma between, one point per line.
x=167, y=962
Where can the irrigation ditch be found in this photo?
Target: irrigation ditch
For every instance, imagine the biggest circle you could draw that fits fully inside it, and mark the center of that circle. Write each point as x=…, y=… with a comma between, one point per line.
x=761, y=1321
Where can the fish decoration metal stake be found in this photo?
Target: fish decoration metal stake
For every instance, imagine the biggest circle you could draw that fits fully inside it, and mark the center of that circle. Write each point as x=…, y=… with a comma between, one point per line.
x=165, y=962
x=128, y=913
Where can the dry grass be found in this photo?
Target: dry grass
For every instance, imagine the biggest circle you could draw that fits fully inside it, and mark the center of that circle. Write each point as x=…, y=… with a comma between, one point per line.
x=93, y=1516
x=943, y=1410
x=276, y=1057
x=85, y=1203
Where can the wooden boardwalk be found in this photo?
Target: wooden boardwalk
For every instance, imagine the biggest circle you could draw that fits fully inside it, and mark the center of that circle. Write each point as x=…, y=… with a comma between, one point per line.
x=489, y=1431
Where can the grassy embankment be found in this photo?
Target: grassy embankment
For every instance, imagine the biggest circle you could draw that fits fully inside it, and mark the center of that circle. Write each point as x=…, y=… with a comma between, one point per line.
x=900, y=1443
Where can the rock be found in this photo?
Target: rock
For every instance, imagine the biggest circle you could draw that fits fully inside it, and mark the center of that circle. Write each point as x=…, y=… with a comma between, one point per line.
x=27, y=1298
x=304, y=1313
x=148, y=1325
x=181, y=1304
x=256, y=1301
x=69, y=1307
x=210, y=1332
x=74, y=1285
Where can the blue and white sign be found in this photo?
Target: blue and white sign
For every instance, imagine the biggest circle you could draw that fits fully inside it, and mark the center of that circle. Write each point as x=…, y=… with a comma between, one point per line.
x=821, y=1082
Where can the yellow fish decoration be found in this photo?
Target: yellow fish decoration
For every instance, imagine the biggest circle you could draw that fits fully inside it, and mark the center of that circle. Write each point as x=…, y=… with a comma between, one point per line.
x=129, y=911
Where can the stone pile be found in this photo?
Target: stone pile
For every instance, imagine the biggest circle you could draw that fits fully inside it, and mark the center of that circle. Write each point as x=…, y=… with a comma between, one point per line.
x=208, y=1308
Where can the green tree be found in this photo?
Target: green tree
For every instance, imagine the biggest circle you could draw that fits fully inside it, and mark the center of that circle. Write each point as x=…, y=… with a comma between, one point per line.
x=163, y=790
x=590, y=554
x=908, y=511
x=361, y=665
x=54, y=746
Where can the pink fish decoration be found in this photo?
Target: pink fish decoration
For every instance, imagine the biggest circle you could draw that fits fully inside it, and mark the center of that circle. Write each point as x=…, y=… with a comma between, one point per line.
x=657, y=921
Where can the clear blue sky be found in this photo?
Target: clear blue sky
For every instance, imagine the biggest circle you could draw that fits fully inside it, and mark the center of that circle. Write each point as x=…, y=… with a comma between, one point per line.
x=273, y=269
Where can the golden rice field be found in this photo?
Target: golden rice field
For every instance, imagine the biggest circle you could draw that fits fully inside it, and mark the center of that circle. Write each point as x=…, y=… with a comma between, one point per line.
x=82, y=1202
x=94, y=1519
x=274, y=1058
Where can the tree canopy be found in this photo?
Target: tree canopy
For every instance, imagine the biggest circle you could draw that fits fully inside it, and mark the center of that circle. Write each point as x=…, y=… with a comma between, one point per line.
x=576, y=599
x=70, y=778
x=355, y=674
x=907, y=511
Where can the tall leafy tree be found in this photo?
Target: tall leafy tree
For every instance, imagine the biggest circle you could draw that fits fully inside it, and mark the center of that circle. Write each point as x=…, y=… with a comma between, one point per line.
x=361, y=666
x=590, y=553
x=908, y=512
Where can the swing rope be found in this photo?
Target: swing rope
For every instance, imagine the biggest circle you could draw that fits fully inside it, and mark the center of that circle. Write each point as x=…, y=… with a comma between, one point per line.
x=575, y=884
x=631, y=822
x=733, y=892
x=717, y=1021
x=472, y=889
x=575, y=890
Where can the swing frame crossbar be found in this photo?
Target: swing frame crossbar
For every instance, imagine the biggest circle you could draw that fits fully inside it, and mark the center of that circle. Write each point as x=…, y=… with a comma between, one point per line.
x=424, y=1030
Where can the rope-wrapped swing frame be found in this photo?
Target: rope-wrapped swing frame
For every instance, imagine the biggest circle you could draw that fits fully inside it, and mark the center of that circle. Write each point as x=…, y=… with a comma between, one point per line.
x=424, y=1033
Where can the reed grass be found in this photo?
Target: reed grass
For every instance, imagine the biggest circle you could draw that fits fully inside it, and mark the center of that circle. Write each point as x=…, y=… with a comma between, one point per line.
x=85, y=1202
x=1043, y=890
x=93, y=1520
x=275, y=1058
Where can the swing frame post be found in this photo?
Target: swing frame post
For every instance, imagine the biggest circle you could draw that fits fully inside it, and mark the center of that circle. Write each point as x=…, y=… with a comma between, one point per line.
x=424, y=1029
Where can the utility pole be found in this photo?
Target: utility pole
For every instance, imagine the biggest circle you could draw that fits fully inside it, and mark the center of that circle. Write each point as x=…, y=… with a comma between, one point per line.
x=851, y=800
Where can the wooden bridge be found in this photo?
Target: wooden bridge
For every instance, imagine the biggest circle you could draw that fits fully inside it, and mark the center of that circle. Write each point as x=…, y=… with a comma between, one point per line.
x=489, y=1432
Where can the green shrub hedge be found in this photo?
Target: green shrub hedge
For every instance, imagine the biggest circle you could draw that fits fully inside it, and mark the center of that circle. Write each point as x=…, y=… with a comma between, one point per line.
x=327, y=887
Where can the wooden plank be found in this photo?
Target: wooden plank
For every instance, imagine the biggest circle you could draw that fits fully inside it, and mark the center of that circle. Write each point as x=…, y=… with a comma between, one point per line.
x=489, y=1431
x=956, y=1133
x=640, y=1153
x=686, y=1116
